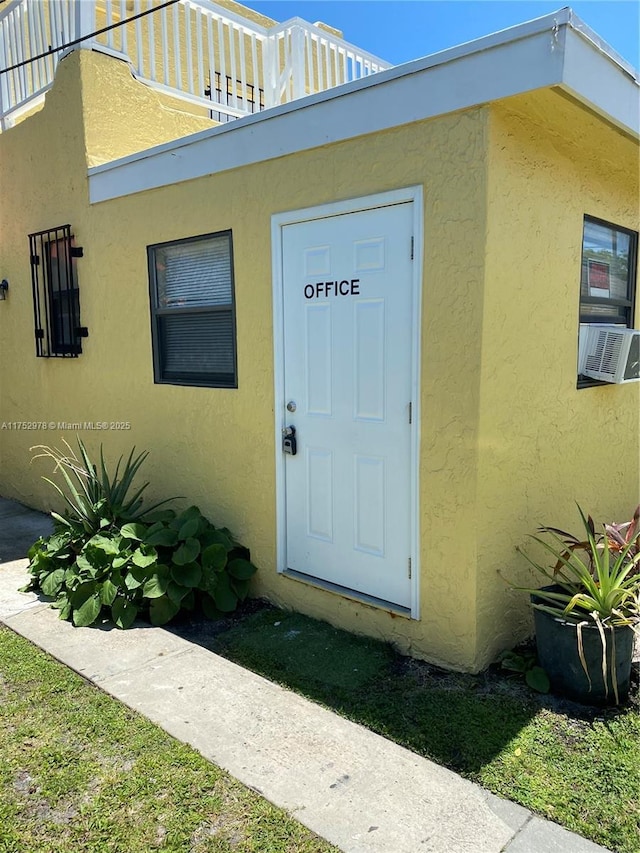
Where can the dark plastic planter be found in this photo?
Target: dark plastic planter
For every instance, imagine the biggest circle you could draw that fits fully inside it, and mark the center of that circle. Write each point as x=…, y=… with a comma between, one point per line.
x=557, y=642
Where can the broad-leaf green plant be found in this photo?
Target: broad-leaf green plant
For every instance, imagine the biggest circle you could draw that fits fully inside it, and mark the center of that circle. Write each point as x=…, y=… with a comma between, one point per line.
x=526, y=664
x=593, y=583
x=109, y=557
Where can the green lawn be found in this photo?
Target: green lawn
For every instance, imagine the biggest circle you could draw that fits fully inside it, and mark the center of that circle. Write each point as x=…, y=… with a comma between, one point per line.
x=577, y=766
x=80, y=772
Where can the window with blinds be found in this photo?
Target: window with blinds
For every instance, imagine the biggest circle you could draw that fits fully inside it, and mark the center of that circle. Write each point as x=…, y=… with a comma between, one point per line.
x=192, y=311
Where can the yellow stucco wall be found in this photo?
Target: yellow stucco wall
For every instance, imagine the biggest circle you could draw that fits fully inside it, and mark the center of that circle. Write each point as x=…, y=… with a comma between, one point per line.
x=216, y=446
x=544, y=444
x=135, y=117
x=96, y=111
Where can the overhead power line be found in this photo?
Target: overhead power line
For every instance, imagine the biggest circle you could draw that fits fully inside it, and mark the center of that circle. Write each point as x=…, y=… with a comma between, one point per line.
x=87, y=36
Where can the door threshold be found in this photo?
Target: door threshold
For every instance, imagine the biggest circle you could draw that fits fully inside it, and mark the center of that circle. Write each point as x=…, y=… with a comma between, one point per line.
x=346, y=592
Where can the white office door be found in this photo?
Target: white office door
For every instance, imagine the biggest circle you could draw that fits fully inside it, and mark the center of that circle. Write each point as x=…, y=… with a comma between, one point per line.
x=348, y=329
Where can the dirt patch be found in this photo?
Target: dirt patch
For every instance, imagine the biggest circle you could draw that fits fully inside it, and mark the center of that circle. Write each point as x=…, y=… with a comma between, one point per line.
x=37, y=807
x=23, y=784
x=229, y=833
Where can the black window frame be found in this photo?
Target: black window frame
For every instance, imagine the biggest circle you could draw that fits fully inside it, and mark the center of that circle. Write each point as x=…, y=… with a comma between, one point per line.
x=160, y=375
x=56, y=293
x=627, y=306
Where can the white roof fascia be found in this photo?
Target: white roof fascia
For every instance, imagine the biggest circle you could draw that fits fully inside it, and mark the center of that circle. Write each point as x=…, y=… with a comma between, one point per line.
x=600, y=79
x=601, y=45
x=523, y=58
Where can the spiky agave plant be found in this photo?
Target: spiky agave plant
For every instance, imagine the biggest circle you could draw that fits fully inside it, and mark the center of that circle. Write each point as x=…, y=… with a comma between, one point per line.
x=595, y=583
x=96, y=499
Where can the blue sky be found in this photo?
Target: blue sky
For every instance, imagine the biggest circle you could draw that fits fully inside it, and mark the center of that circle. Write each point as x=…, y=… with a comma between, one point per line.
x=401, y=30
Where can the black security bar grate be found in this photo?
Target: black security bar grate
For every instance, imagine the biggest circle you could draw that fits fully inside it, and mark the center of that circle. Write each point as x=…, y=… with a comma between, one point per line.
x=228, y=96
x=56, y=298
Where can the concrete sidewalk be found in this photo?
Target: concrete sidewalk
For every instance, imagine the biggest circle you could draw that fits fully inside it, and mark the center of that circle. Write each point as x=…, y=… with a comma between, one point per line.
x=358, y=790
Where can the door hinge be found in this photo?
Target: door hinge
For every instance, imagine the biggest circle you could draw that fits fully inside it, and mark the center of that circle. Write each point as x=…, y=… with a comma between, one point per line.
x=410, y=412
x=409, y=568
x=412, y=241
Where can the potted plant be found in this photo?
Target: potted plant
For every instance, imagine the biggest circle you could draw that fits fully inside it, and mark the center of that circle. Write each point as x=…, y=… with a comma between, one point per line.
x=588, y=614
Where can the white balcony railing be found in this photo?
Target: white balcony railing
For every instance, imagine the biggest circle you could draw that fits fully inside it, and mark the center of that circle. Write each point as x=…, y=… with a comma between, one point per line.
x=192, y=50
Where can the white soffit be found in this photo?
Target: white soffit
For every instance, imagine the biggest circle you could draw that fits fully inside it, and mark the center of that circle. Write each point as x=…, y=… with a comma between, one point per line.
x=556, y=50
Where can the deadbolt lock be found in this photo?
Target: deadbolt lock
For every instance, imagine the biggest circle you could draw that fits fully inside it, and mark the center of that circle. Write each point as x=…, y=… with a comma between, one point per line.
x=289, y=443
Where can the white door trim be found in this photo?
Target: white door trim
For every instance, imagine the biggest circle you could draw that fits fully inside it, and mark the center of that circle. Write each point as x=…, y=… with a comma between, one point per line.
x=278, y=221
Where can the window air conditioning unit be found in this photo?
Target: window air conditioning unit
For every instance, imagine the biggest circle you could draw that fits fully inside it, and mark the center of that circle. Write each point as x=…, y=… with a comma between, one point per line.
x=612, y=354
